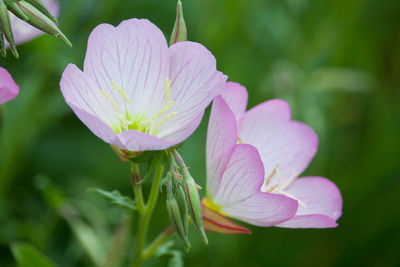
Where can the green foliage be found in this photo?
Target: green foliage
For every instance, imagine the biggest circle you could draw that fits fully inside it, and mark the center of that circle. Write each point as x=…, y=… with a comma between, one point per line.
x=176, y=256
x=28, y=256
x=115, y=197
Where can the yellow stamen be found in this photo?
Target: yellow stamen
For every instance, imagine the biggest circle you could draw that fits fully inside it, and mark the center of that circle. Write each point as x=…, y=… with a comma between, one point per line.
x=168, y=117
x=104, y=93
x=239, y=140
x=168, y=103
x=271, y=175
x=167, y=89
x=279, y=188
x=120, y=91
x=272, y=188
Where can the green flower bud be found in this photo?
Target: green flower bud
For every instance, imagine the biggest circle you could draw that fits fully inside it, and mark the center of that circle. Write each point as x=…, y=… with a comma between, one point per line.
x=42, y=8
x=179, y=33
x=6, y=27
x=175, y=216
x=14, y=8
x=192, y=195
x=180, y=196
x=41, y=21
x=3, y=50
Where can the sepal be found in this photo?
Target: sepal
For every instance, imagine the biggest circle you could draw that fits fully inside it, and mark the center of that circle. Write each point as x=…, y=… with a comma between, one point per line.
x=125, y=155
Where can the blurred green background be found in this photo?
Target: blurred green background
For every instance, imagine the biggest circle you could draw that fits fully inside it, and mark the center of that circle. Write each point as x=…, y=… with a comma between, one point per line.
x=336, y=61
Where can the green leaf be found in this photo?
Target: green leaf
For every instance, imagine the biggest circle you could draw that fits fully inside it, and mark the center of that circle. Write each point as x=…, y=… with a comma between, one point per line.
x=166, y=249
x=115, y=197
x=28, y=256
x=176, y=259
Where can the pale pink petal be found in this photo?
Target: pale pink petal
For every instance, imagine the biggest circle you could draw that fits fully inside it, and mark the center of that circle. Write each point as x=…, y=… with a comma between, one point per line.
x=8, y=89
x=242, y=177
x=321, y=197
x=239, y=194
x=288, y=145
x=137, y=141
x=263, y=209
x=221, y=141
x=236, y=97
x=97, y=126
x=23, y=31
x=309, y=221
x=195, y=81
x=80, y=93
x=134, y=56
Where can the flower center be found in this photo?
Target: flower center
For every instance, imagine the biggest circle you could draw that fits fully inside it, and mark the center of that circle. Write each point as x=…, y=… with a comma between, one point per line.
x=280, y=186
x=125, y=120
x=210, y=204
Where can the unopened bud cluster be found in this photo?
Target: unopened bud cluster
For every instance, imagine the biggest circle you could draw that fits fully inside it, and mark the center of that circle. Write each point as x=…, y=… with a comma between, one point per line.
x=183, y=199
x=33, y=12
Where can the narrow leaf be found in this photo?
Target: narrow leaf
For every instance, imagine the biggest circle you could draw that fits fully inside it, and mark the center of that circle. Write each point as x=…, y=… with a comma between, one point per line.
x=115, y=197
x=28, y=256
x=166, y=249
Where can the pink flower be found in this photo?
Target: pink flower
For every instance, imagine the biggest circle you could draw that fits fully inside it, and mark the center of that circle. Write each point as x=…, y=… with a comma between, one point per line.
x=8, y=89
x=23, y=31
x=253, y=162
x=136, y=93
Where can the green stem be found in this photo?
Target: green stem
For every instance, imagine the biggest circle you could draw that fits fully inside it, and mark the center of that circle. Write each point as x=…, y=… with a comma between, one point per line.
x=137, y=188
x=145, y=217
x=161, y=238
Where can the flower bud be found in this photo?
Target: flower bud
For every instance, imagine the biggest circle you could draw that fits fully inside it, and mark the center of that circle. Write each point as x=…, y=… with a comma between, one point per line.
x=41, y=21
x=3, y=50
x=175, y=216
x=6, y=27
x=192, y=195
x=42, y=8
x=180, y=196
x=179, y=33
x=14, y=8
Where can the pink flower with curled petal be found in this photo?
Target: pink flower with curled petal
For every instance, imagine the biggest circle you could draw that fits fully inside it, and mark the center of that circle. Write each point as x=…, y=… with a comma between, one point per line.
x=263, y=184
x=135, y=92
x=235, y=175
x=23, y=31
x=8, y=89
